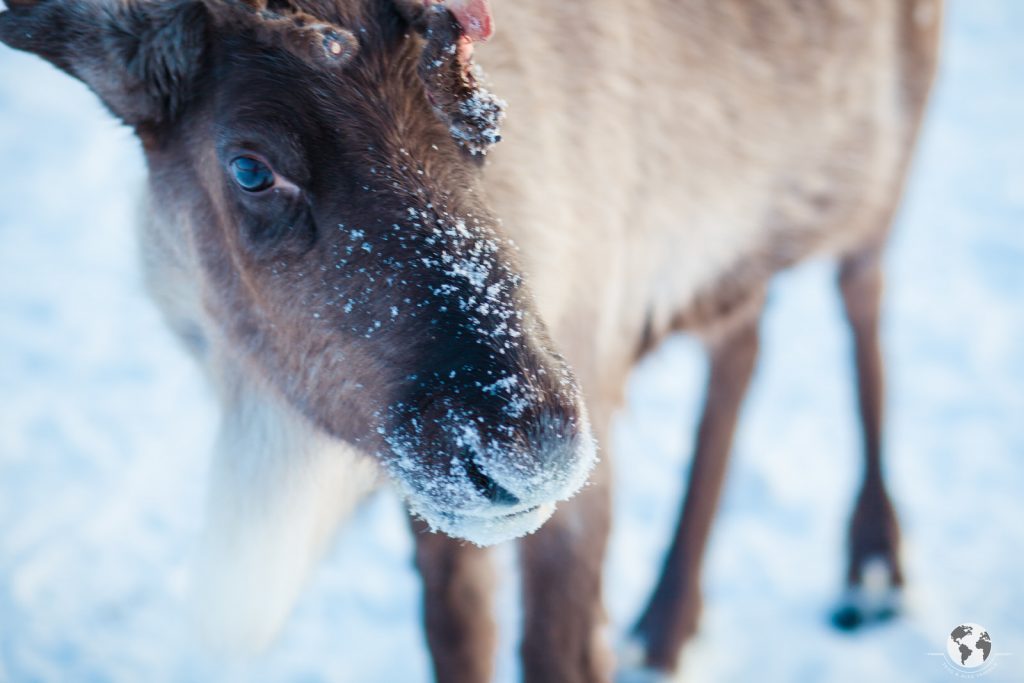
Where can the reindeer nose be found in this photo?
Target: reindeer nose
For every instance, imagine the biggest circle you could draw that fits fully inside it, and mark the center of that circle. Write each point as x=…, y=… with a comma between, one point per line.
x=474, y=472
x=491, y=490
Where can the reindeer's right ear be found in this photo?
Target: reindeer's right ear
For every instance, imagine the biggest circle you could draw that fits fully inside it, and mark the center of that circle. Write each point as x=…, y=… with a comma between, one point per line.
x=139, y=56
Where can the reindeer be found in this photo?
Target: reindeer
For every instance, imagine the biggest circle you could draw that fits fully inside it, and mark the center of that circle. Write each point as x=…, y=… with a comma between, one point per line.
x=322, y=232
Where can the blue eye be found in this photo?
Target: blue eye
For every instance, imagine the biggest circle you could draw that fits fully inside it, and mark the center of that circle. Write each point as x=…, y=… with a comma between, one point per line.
x=252, y=175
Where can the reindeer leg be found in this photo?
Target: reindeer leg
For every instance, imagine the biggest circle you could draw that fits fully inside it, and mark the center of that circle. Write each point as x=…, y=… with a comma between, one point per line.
x=563, y=639
x=874, y=574
x=457, y=609
x=671, y=615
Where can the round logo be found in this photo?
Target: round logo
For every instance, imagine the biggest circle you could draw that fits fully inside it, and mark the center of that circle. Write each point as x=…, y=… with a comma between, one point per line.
x=969, y=646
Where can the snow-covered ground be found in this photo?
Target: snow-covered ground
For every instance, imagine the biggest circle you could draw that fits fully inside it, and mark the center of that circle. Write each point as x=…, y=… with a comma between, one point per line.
x=105, y=426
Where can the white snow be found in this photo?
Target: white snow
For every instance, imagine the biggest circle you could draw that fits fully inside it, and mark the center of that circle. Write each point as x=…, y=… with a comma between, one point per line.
x=105, y=428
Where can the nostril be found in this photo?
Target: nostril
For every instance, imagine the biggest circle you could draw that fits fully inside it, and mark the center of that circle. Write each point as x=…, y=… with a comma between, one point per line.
x=488, y=488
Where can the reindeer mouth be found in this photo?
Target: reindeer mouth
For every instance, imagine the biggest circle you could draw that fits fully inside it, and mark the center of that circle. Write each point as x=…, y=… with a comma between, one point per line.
x=485, y=529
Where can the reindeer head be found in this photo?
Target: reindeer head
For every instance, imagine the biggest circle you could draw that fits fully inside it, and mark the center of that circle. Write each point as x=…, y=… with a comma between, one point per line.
x=317, y=162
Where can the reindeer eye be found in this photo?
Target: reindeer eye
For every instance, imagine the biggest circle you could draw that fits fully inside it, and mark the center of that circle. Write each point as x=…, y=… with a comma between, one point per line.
x=252, y=175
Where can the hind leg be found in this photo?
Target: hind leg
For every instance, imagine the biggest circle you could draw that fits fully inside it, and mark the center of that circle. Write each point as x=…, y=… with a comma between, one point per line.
x=674, y=608
x=874, y=575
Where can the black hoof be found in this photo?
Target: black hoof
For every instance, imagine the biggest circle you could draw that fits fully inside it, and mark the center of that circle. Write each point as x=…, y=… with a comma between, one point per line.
x=851, y=617
x=847, y=618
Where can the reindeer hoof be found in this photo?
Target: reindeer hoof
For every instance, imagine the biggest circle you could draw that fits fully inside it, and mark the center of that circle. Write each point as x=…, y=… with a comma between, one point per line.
x=860, y=608
x=875, y=599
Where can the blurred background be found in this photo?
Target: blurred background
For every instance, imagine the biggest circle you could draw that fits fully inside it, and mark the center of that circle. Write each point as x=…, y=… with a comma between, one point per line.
x=105, y=428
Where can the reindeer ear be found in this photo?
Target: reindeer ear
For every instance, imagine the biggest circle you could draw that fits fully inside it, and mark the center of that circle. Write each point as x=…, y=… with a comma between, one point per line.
x=139, y=56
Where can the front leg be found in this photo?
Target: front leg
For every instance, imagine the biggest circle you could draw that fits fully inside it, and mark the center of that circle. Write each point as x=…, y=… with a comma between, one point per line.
x=457, y=609
x=563, y=639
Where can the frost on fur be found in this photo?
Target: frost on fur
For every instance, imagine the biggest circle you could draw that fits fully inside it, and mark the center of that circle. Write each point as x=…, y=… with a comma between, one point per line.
x=479, y=127
x=473, y=113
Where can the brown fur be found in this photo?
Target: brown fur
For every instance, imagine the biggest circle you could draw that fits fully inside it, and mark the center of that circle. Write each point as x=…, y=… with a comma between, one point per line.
x=806, y=111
